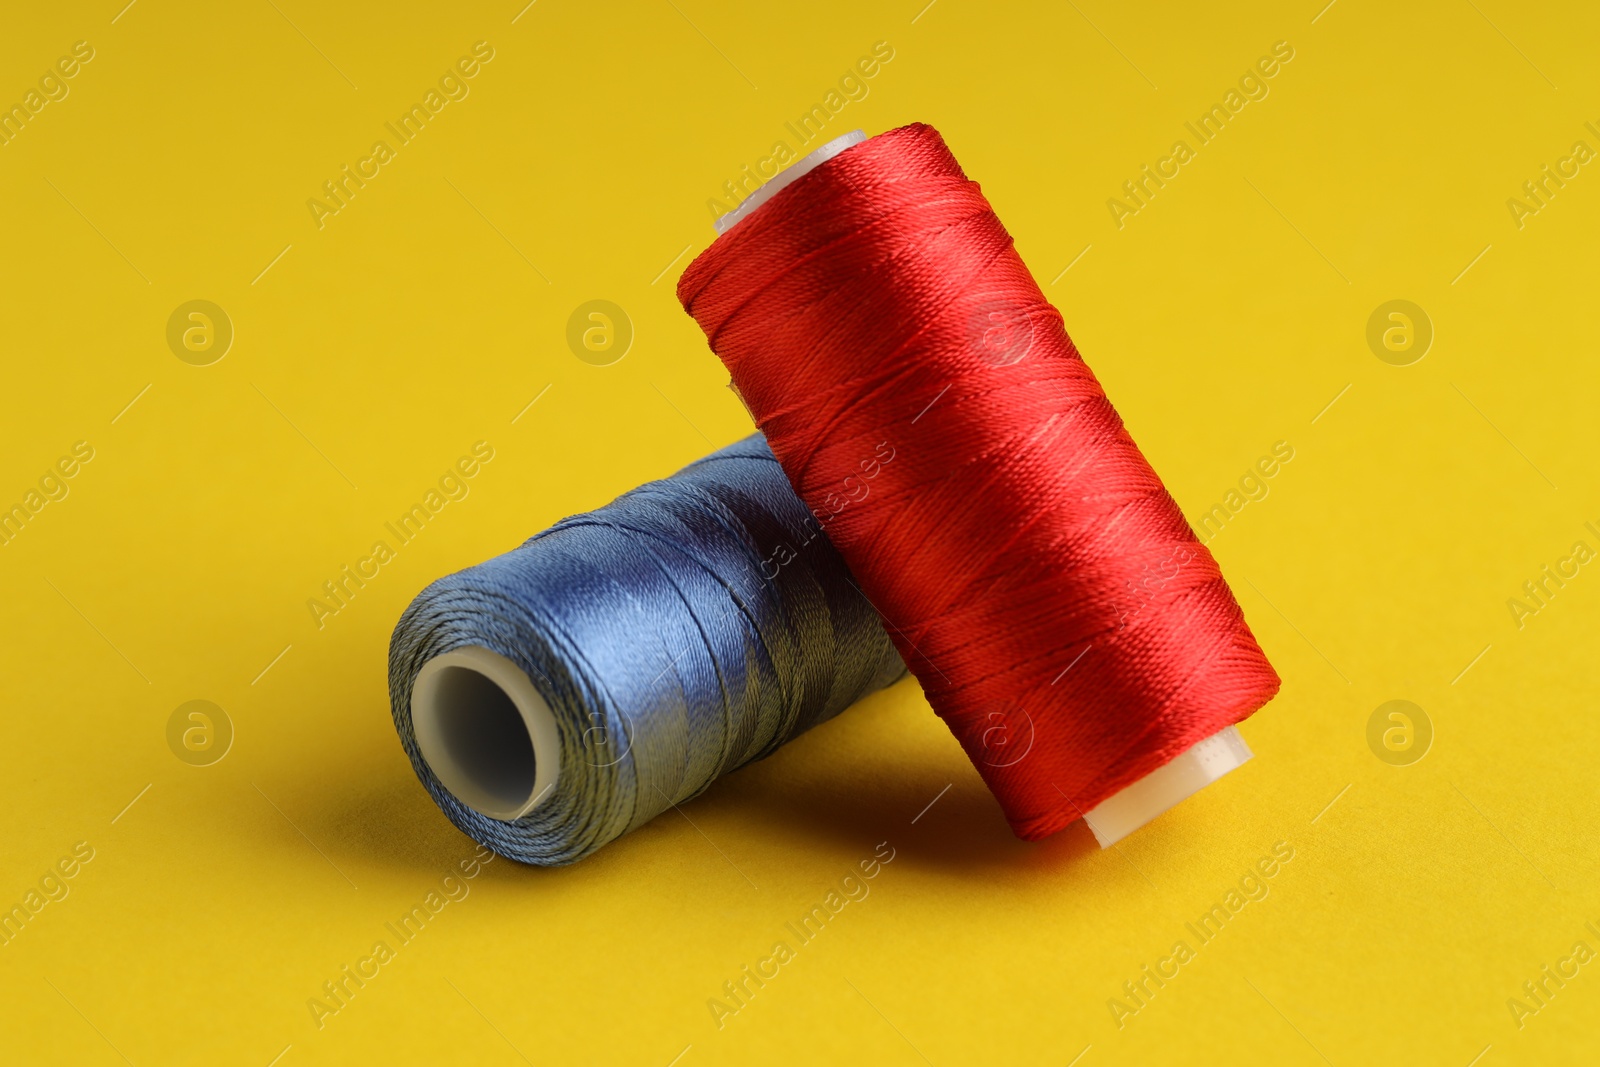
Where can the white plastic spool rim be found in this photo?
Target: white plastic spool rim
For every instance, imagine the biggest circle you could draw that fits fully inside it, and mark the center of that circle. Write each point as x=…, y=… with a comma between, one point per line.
x=486, y=732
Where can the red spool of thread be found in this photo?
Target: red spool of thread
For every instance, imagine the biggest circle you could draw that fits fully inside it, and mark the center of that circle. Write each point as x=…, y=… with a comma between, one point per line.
x=1037, y=577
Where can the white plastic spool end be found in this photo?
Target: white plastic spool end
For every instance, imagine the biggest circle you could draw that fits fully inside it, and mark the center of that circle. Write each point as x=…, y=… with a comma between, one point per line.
x=486, y=732
x=1165, y=787
x=781, y=179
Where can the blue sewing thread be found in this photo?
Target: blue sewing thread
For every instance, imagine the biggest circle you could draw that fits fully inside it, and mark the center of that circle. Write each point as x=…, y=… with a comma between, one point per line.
x=668, y=644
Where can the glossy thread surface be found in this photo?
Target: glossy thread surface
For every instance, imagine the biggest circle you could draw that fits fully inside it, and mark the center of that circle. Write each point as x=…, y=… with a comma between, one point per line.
x=1033, y=570
x=691, y=626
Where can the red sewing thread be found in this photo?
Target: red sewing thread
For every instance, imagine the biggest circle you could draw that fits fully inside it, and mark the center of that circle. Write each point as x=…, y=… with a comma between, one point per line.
x=1040, y=582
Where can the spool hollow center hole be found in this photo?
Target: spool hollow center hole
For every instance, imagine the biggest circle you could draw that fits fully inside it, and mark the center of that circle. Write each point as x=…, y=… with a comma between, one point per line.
x=484, y=735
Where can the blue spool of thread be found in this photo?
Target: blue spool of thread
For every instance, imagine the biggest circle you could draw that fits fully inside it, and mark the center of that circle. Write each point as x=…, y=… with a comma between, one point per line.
x=556, y=697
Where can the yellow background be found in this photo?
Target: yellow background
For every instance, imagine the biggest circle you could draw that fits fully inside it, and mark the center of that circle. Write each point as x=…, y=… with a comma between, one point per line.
x=1223, y=317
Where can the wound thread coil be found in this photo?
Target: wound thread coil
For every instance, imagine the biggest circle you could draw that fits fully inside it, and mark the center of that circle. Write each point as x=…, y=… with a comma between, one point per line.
x=1030, y=566
x=648, y=648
